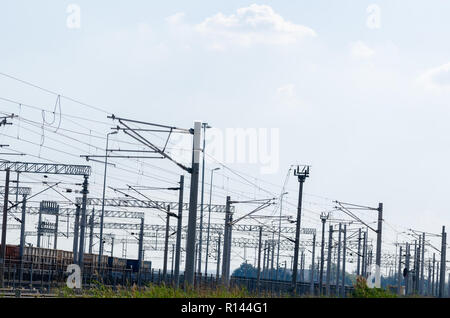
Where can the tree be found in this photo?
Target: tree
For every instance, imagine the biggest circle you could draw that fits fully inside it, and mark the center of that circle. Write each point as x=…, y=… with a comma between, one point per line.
x=246, y=270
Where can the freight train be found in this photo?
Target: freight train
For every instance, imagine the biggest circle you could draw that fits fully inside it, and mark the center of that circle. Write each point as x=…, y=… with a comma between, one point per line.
x=53, y=263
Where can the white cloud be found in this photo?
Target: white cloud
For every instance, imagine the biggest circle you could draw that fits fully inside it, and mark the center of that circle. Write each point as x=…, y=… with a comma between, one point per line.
x=360, y=50
x=436, y=79
x=287, y=95
x=135, y=45
x=175, y=19
x=286, y=90
x=256, y=24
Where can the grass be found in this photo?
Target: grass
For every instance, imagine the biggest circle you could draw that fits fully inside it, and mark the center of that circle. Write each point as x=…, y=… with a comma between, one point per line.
x=361, y=290
x=153, y=291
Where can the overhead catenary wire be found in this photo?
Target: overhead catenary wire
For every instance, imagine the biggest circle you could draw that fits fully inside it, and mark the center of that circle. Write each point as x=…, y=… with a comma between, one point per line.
x=246, y=190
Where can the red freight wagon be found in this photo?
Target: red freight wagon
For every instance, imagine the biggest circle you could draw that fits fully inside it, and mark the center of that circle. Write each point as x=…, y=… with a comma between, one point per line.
x=12, y=252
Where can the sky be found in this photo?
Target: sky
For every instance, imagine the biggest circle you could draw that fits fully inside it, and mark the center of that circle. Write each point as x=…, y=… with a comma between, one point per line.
x=358, y=90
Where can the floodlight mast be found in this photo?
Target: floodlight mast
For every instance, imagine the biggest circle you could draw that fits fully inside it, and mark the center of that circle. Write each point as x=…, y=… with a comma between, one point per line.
x=301, y=174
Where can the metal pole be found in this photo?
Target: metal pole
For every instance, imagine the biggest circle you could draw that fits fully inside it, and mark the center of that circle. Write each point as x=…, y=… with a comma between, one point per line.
x=358, y=262
x=39, y=229
x=301, y=180
x=204, y=125
x=422, y=267
x=443, y=263
x=258, y=273
x=279, y=235
x=166, y=243
x=83, y=222
x=226, y=241
x=414, y=277
x=429, y=278
x=196, y=260
x=91, y=232
x=417, y=275
x=209, y=221
x=433, y=277
x=408, y=255
x=17, y=189
x=436, y=292
x=322, y=260
x=112, y=246
x=102, y=216
x=399, y=274
x=344, y=252
x=4, y=228
x=312, y=264
x=330, y=242
x=379, y=242
x=302, y=256
x=173, y=261
x=417, y=267
x=338, y=265
x=22, y=235
x=141, y=247
x=192, y=222
x=55, y=241
x=264, y=260
x=272, y=256
x=179, y=233
x=364, y=256
x=218, y=256
x=230, y=234
x=76, y=230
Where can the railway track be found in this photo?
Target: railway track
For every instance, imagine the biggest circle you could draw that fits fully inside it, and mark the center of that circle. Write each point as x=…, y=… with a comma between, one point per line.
x=24, y=293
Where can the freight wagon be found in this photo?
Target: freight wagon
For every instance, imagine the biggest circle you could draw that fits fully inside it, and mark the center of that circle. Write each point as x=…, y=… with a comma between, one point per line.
x=42, y=261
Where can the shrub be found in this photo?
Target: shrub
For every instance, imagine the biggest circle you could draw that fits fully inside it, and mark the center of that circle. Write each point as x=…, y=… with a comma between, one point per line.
x=363, y=291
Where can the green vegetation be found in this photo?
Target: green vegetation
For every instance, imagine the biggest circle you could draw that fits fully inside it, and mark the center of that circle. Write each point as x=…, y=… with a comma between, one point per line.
x=363, y=291
x=153, y=291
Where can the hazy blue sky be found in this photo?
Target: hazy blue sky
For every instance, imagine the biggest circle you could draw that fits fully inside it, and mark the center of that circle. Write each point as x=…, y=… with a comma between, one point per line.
x=367, y=107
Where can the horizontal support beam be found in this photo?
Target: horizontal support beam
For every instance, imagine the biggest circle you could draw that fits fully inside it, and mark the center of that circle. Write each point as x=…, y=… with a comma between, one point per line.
x=213, y=227
x=132, y=203
x=71, y=234
x=236, y=242
x=71, y=212
x=16, y=190
x=11, y=227
x=46, y=168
